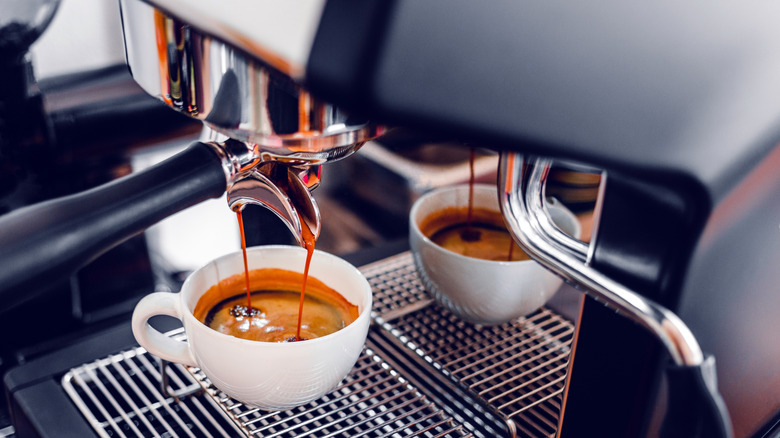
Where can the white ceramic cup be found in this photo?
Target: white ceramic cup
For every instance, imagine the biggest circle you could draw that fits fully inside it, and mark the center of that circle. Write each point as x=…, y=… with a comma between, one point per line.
x=268, y=375
x=481, y=291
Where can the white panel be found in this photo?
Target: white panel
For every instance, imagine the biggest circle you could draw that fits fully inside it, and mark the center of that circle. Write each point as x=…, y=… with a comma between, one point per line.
x=84, y=35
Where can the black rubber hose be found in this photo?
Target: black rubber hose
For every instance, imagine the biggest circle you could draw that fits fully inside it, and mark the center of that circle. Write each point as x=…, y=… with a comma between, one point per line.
x=49, y=241
x=695, y=407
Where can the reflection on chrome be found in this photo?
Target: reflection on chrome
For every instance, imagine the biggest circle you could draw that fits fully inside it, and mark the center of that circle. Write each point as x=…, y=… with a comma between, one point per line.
x=523, y=205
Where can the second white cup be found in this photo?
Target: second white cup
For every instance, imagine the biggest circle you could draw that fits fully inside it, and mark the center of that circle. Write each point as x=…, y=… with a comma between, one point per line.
x=481, y=291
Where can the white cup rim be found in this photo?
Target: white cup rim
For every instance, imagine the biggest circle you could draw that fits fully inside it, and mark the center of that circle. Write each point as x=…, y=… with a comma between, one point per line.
x=442, y=191
x=364, y=313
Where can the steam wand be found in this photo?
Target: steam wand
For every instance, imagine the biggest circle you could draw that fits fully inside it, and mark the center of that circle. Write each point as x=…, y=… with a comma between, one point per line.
x=692, y=381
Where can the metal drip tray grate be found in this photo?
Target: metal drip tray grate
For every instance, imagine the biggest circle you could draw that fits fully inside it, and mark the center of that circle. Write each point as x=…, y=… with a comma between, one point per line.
x=374, y=401
x=121, y=396
x=517, y=370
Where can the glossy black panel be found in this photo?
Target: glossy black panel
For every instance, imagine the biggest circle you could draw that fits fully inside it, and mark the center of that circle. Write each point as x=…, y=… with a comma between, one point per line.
x=656, y=88
x=731, y=297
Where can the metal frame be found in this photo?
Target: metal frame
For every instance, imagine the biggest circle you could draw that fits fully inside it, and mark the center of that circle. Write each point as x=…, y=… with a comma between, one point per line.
x=523, y=205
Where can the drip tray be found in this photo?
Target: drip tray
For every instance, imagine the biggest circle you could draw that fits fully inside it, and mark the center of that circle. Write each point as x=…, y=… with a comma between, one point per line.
x=515, y=370
x=121, y=396
x=435, y=374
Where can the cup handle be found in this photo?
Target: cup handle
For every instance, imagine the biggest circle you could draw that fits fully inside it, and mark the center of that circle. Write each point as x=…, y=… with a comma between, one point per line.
x=160, y=345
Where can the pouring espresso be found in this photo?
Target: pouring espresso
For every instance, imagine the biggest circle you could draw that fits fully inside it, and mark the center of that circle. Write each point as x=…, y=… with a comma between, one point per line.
x=278, y=188
x=272, y=138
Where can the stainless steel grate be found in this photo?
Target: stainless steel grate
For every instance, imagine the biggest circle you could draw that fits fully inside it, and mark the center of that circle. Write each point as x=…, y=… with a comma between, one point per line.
x=396, y=286
x=516, y=369
x=120, y=396
x=374, y=401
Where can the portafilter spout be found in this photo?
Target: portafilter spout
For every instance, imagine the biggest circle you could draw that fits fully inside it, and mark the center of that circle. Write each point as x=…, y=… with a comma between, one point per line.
x=280, y=189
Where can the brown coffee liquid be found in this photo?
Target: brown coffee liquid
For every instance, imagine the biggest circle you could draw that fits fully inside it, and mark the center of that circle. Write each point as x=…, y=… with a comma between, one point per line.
x=470, y=234
x=308, y=242
x=246, y=265
x=275, y=310
x=446, y=228
x=248, y=310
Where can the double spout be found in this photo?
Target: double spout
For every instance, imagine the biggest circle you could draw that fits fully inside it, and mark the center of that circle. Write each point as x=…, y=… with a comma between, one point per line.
x=280, y=189
x=282, y=186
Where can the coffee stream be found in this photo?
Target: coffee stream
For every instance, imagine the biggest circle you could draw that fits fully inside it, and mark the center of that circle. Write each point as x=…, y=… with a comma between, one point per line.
x=248, y=311
x=472, y=233
x=308, y=242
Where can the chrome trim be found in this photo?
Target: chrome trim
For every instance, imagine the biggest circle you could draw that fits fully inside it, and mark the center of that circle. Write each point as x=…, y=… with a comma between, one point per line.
x=283, y=188
x=597, y=211
x=537, y=184
x=231, y=92
x=236, y=157
x=525, y=220
x=279, y=189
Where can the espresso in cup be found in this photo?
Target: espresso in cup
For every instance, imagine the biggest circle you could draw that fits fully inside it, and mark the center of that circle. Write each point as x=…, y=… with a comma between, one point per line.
x=472, y=232
x=472, y=275
x=269, y=375
x=275, y=307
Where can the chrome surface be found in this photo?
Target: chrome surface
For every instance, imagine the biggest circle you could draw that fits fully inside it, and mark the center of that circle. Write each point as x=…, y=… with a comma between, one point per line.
x=522, y=204
x=374, y=400
x=280, y=189
x=401, y=174
x=280, y=32
x=232, y=93
x=236, y=156
x=537, y=184
x=120, y=395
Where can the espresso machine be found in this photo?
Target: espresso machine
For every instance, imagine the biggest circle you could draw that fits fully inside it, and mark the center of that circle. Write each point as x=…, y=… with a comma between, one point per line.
x=674, y=102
